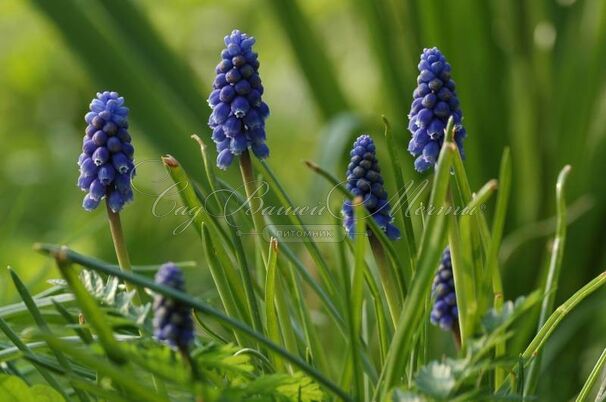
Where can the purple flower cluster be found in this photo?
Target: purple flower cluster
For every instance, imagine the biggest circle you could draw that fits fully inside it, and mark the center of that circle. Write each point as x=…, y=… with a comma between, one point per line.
x=364, y=180
x=434, y=102
x=106, y=162
x=444, y=312
x=173, y=321
x=239, y=113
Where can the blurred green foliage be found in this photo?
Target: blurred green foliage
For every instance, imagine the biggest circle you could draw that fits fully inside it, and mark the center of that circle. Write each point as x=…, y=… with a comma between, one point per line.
x=530, y=74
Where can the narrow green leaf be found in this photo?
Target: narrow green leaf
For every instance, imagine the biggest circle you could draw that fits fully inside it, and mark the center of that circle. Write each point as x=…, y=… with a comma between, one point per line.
x=271, y=319
x=41, y=323
x=65, y=255
x=553, y=274
x=14, y=338
x=217, y=272
x=592, y=378
x=431, y=247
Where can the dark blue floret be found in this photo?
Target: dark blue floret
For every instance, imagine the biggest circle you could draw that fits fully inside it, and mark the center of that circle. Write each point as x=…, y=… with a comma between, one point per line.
x=106, y=162
x=444, y=313
x=434, y=102
x=364, y=180
x=173, y=321
x=239, y=113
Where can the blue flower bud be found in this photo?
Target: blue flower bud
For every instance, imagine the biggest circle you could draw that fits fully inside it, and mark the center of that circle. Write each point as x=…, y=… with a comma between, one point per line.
x=238, y=110
x=434, y=102
x=444, y=312
x=173, y=321
x=364, y=179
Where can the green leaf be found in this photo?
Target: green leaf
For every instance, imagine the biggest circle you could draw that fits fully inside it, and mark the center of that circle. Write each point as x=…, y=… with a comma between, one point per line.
x=436, y=380
x=13, y=389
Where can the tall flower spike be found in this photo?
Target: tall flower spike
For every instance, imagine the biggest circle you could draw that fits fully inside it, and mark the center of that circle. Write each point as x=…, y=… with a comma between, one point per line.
x=239, y=113
x=364, y=180
x=444, y=313
x=172, y=320
x=434, y=101
x=106, y=162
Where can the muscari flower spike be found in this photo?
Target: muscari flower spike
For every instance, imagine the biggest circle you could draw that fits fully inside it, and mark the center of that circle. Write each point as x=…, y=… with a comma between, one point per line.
x=444, y=313
x=239, y=113
x=434, y=102
x=173, y=321
x=106, y=162
x=364, y=180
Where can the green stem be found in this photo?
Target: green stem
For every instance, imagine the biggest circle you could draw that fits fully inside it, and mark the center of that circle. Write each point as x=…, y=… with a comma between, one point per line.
x=253, y=201
x=115, y=227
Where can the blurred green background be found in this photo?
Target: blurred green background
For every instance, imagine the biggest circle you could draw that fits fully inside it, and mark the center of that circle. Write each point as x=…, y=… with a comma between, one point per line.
x=530, y=74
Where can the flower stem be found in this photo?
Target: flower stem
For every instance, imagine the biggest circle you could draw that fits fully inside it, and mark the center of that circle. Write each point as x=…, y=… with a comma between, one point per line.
x=115, y=227
x=253, y=201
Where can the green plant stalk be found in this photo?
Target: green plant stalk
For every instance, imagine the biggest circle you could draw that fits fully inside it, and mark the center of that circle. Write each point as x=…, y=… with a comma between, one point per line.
x=66, y=255
x=553, y=275
x=389, y=281
x=378, y=232
x=464, y=283
x=14, y=338
x=465, y=276
x=115, y=227
x=190, y=198
x=41, y=323
x=402, y=192
x=248, y=180
x=318, y=355
x=356, y=296
x=432, y=244
x=493, y=251
x=218, y=274
x=88, y=305
x=533, y=349
x=301, y=268
x=311, y=246
x=271, y=319
x=592, y=379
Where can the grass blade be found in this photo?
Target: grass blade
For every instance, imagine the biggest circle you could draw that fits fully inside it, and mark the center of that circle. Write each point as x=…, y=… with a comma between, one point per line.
x=553, y=274
x=66, y=255
x=432, y=244
x=593, y=377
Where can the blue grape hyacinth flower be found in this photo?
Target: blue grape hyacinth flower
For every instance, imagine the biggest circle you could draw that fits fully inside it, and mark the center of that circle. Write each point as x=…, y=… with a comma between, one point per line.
x=444, y=313
x=239, y=113
x=434, y=102
x=106, y=162
x=173, y=321
x=364, y=180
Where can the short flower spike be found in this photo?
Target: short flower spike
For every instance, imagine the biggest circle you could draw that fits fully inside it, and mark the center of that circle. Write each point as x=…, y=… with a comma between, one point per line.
x=364, y=180
x=444, y=313
x=173, y=321
x=106, y=162
x=239, y=113
x=434, y=102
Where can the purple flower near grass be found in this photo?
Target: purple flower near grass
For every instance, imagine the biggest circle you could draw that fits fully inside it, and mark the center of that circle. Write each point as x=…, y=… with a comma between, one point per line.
x=364, y=180
x=106, y=162
x=239, y=113
x=173, y=321
x=444, y=313
x=434, y=102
